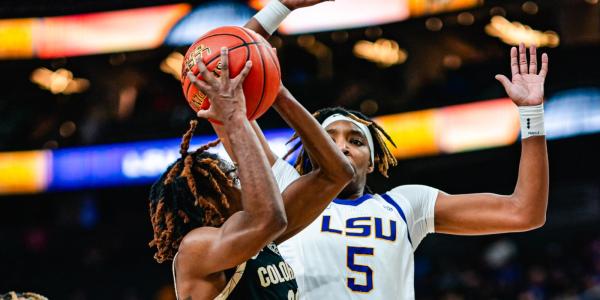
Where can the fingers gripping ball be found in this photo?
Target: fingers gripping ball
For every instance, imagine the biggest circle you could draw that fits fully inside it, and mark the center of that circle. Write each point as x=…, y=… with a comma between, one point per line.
x=260, y=86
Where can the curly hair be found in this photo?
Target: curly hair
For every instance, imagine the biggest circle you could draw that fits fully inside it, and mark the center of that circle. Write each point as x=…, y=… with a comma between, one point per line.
x=191, y=193
x=383, y=156
x=27, y=295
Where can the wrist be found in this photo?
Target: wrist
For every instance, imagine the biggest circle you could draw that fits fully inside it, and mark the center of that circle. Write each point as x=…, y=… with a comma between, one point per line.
x=271, y=16
x=287, y=4
x=236, y=118
x=532, y=120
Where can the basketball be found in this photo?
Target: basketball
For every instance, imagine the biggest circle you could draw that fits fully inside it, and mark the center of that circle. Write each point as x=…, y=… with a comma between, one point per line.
x=260, y=86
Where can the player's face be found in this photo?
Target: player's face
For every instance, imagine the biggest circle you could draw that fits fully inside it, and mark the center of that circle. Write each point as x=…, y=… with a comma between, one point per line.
x=352, y=142
x=234, y=194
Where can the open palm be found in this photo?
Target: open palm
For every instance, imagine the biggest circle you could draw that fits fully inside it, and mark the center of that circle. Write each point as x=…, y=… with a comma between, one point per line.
x=527, y=85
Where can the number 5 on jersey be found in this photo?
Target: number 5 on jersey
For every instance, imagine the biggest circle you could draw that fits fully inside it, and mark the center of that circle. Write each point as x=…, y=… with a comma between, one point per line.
x=366, y=270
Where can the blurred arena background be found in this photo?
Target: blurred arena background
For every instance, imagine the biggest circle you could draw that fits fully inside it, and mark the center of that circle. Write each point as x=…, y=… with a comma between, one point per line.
x=91, y=113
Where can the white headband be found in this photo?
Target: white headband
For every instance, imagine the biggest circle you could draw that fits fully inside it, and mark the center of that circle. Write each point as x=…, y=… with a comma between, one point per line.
x=362, y=127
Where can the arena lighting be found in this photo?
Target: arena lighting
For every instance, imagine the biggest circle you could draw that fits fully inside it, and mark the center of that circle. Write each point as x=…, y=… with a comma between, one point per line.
x=205, y=17
x=178, y=25
x=362, y=13
x=430, y=7
x=384, y=52
x=172, y=65
x=92, y=33
x=24, y=172
x=60, y=81
x=451, y=129
x=334, y=15
x=513, y=33
x=572, y=113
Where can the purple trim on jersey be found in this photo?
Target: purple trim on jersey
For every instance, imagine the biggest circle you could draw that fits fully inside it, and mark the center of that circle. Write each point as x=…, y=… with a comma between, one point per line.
x=353, y=202
x=391, y=201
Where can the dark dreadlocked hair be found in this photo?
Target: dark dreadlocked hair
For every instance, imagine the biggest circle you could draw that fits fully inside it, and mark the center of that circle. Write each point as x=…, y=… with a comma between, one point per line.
x=383, y=156
x=26, y=295
x=193, y=192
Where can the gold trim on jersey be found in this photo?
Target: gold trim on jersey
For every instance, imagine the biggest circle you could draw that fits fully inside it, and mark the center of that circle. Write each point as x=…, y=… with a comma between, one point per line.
x=231, y=284
x=239, y=271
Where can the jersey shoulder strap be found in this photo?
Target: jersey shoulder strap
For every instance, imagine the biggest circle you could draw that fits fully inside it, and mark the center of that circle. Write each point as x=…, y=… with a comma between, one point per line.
x=231, y=284
x=393, y=203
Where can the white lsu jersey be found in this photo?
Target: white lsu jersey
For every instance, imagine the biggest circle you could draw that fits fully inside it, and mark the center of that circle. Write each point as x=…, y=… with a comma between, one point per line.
x=360, y=248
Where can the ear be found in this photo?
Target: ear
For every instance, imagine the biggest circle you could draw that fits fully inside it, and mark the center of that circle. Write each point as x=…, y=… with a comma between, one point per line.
x=371, y=168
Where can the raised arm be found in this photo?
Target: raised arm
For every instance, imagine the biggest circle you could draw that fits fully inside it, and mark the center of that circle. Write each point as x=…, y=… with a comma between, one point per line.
x=525, y=208
x=308, y=196
x=268, y=19
x=265, y=22
x=262, y=217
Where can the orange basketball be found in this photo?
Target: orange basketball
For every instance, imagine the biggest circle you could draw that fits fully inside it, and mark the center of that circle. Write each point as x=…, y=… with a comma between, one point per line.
x=262, y=83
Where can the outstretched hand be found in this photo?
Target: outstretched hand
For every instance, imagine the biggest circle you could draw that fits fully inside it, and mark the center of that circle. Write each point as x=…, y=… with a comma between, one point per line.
x=294, y=4
x=527, y=85
x=226, y=94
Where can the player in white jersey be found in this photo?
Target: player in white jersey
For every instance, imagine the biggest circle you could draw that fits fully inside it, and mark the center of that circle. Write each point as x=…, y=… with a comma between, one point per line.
x=361, y=246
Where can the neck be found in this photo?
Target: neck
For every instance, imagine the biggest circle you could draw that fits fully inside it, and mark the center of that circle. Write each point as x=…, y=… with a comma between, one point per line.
x=350, y=195
x=354, y=189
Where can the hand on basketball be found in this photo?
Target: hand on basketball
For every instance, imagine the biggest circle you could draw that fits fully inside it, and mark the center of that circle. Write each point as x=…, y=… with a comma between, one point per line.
x=293, y=4
x=527, y=85
x=226, y=94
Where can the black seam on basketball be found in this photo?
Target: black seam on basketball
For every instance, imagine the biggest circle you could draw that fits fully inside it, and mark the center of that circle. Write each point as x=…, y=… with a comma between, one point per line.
x=245, y=30
x=218, y=56
x=186, y=88
x=188, y=92
x=231, y=49
x=248, y=34
x=262, y=93
x=274, y=61
x=219, y=34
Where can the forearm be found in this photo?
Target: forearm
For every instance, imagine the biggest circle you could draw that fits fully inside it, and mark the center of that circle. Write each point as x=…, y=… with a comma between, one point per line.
x=254, y=25
x=259, y=191
x=531, y=191
x=266, y=21
x=323, y=152
x=486, y=213
x=525, y=208
x=271, y=157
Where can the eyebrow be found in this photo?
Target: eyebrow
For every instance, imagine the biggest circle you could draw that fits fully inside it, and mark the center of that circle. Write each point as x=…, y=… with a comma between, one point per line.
x=353, y=131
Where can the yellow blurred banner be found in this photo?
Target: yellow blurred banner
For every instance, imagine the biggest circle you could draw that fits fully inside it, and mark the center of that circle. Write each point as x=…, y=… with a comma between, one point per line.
x=92, y=33
x=24, y=172
x=16, y=38
x=452, y=129
x=413, y=132
x=477, y=125
x=429, y=7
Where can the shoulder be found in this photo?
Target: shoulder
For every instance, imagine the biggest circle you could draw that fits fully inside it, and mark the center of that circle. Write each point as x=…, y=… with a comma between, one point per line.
x=193, y=245
x=197, y=239
x=412, y=192
x=283, y=166
x=284, y=173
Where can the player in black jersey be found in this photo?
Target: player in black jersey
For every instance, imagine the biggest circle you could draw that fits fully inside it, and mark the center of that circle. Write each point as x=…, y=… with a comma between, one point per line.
x=220, y=237
x=208, y=225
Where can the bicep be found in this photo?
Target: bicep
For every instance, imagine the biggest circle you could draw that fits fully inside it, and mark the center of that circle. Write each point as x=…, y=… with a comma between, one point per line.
x=474, y=214
x=217, y=249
